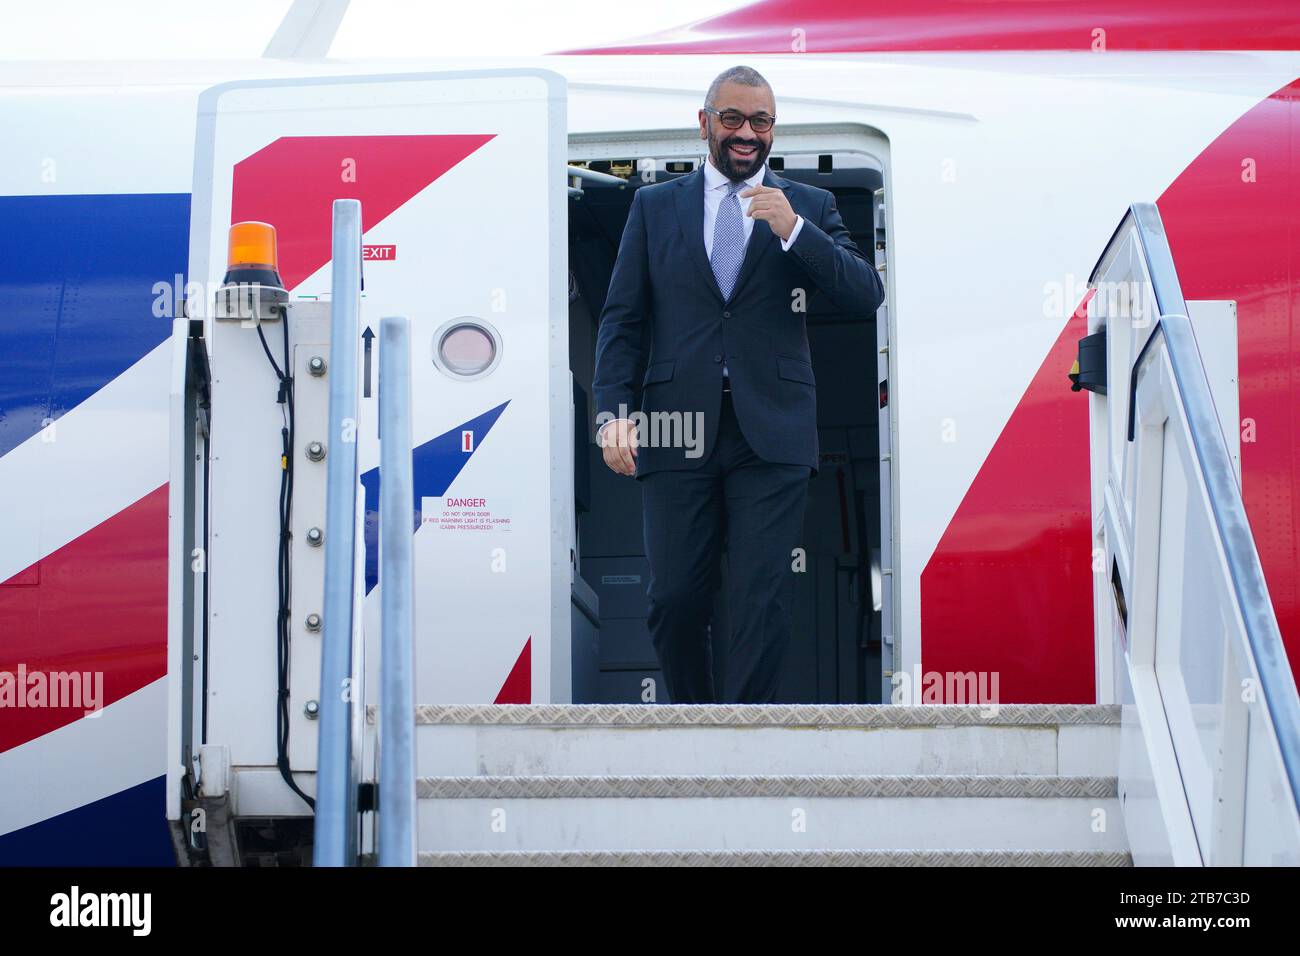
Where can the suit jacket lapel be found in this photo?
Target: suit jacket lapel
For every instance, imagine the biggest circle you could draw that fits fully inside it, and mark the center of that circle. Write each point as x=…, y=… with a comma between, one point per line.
x=689, y=199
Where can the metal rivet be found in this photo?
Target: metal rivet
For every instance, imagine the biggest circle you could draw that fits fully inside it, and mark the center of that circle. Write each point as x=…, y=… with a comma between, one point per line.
x=313, y=621
x=316, y=365
x=311, y=710
x=315, y=536
x=315, y=451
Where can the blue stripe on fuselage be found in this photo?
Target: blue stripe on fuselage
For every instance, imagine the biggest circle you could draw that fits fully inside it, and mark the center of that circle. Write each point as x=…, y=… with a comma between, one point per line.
x=127, y=829
x=434, y=466
x=77, y=296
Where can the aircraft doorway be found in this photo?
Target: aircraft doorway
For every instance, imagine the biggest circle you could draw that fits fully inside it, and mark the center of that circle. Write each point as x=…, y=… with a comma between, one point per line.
x=835, y=651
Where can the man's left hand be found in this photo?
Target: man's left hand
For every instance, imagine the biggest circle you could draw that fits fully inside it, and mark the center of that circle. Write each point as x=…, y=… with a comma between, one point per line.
x=769, y=203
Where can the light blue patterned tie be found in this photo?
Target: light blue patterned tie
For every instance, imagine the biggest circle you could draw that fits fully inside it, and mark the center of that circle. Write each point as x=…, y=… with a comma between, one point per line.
x=728, y=241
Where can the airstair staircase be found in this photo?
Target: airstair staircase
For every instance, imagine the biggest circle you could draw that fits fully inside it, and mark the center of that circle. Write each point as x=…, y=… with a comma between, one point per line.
x=583, y=785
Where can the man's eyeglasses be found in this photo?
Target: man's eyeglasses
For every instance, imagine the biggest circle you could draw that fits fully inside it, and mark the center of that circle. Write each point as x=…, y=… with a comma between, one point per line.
x=734, y=119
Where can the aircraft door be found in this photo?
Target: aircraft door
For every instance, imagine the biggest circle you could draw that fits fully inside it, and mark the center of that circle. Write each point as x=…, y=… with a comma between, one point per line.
x=459, y=177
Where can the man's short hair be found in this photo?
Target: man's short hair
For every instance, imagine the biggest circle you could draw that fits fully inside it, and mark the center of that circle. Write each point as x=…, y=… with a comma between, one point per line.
x=744, y=75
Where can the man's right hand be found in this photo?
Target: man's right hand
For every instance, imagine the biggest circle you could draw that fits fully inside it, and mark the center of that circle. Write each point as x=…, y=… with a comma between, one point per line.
x=618, y=440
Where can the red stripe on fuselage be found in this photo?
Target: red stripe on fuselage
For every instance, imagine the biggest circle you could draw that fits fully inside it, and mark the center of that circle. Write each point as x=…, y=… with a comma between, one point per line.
x=1008, y=590
x=518, y=685
x=1233, y=221
x=847, y=26
x=293, y=182
x=100, y=607
x=1009, y=586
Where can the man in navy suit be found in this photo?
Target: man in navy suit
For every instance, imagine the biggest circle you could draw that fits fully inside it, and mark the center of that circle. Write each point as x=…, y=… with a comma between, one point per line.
x=705, y=317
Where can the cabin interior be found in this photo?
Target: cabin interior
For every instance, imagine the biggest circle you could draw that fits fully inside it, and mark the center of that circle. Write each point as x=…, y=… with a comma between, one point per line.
x=835, y=650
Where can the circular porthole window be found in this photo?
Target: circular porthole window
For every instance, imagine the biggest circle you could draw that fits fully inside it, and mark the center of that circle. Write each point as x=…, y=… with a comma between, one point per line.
x=466, y=348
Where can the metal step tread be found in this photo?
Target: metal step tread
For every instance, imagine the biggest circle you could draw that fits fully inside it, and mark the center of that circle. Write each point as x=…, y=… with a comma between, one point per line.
x=809, y=785
x=1089, y=858
x=769, y=715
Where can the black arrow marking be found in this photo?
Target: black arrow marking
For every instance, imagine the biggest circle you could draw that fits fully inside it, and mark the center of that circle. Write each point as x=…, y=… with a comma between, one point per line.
x=367, y=336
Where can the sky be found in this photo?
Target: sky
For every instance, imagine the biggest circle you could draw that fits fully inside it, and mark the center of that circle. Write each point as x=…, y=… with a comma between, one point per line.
x=218, y=29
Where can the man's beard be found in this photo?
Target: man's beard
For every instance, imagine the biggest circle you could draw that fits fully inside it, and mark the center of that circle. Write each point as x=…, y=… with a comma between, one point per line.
x=732, y=168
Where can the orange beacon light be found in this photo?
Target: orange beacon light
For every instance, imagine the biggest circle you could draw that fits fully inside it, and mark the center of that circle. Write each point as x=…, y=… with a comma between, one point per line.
x=252, y=290
x=252, y=255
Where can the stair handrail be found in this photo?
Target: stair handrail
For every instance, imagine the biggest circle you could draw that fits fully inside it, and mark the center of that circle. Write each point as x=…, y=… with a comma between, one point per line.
x=338, y=772
x=1173, y=331
x=396, y=799
x=1277, y=681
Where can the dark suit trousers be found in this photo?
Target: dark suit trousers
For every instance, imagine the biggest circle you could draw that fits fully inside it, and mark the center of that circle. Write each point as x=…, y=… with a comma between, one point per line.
x=753, y=508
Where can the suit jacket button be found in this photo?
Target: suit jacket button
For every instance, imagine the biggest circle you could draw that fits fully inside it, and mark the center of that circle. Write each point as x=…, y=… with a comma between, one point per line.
x=726, y=315
x=717, y=358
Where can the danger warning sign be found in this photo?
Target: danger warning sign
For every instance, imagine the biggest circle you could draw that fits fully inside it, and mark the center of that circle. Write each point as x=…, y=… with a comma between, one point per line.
x=465, y=513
